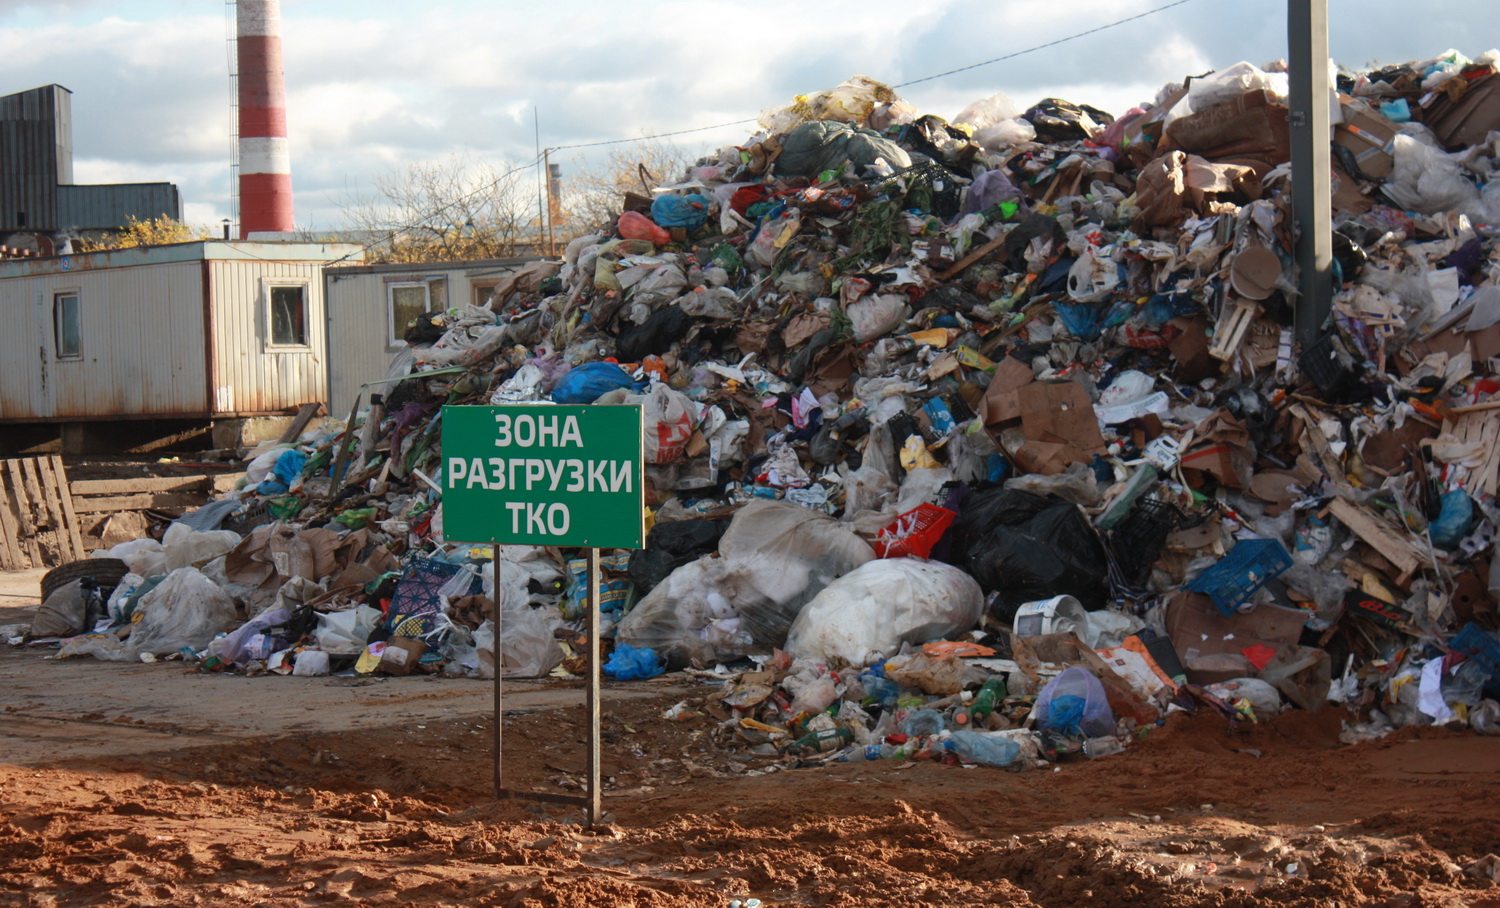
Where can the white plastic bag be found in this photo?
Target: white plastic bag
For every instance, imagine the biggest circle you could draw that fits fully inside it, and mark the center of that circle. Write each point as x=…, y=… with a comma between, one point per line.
x=877, y=315
x=527, y=647
x=345, y=633
x=186, y=609
x=867, y=614
x=670, y=418
x=184, y=545
x=144, y=557
x=774, y=558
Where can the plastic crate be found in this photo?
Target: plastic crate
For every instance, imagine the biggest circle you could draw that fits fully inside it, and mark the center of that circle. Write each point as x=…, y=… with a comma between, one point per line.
x=1238, y=575
x=1482, y=647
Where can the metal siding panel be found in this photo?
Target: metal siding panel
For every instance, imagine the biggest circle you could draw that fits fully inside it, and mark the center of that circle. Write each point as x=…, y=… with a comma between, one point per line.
x=262, y=378
x=98, y=207
x=141, y=330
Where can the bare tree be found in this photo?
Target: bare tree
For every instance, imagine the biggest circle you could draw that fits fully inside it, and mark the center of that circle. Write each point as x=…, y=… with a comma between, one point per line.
x=454, y=209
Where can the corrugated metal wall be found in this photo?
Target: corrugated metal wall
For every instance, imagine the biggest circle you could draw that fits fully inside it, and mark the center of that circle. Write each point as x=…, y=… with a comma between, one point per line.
x=112, y=205
x=142, y=345
x=359, y=317
x=252, y=375
x=36, y=154
x=360, y=351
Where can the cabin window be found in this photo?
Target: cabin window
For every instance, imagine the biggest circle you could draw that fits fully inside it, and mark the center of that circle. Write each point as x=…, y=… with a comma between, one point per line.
x=409, y=300
x=288, y=315
x=67, y=325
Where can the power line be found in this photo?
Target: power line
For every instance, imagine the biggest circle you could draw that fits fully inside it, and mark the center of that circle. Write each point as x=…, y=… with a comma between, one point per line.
x=1009, y=56
x=660, y=135
x=1030, y=50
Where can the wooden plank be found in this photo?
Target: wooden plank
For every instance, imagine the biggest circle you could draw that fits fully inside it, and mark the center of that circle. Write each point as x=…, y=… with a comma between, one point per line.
x=974, y=255
x=304, y=416
x=59, y=473
x=25, y=522
x=11, y=556
x=139, y=502
x=1374, y=532
x=49, y=520
x=142, y=484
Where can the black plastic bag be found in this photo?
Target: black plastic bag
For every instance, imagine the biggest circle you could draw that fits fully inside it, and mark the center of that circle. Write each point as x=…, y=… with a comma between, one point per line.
x=664, y=328
x=1026, y=547
x=670, y=546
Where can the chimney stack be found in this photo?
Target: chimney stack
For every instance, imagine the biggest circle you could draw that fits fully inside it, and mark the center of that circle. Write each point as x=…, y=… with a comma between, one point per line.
x=265, y=162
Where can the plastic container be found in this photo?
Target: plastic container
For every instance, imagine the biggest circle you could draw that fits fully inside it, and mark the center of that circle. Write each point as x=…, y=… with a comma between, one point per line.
x=1102, y=746
x=1483, y=648
x=987, y=750
x=1241, y=573
x=923, y=722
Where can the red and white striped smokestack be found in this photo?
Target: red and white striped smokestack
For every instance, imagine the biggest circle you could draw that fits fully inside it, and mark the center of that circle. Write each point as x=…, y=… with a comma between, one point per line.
x=265, y=162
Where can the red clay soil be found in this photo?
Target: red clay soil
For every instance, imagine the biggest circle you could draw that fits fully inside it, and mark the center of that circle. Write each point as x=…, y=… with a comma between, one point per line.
x=1197, y=814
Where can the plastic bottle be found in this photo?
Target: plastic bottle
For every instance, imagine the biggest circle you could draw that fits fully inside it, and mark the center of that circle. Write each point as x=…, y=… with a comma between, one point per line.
x=872, y=752
x=1102, y=747
x=821, y=742
x=977, y=747
x=879, y=689
x=923, y=722
x=990, y=695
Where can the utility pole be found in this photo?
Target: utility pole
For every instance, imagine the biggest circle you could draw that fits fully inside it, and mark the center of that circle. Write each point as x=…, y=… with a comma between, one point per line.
x=1312, y=196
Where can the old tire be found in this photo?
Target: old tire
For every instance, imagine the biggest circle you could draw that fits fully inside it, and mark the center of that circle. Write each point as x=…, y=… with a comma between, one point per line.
x=108, y=571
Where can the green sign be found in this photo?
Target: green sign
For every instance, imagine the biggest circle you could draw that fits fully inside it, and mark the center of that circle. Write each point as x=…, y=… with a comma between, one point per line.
x=544, y=475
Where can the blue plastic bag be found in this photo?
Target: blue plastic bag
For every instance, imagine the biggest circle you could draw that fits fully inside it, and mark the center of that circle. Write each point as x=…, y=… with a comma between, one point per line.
x=587, y=383
x=633, y=663
x=1075, y=703
x=687, y=211
x=1454, y=520
x=289, y=466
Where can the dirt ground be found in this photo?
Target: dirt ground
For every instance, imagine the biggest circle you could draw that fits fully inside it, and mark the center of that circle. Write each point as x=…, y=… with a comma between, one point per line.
x=158, y=785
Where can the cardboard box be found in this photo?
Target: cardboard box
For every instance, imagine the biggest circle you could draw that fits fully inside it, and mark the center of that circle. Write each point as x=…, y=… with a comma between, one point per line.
x=401, y=655
x=1211, y=646
x=1368, y=136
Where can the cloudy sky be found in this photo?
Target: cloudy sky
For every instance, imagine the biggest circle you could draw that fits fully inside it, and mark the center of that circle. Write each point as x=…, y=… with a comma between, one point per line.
x=372, y=86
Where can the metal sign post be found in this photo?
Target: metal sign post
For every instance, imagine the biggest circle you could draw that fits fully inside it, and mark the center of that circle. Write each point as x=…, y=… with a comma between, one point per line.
x=546, y=475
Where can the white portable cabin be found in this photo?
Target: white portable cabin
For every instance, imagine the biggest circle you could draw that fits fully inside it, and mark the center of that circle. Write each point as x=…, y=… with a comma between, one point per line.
x=203, y=330
x=369, y=307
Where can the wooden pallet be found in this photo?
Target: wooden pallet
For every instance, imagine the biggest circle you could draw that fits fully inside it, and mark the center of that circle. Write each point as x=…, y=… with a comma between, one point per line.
x=101, y=496
x=38, y=526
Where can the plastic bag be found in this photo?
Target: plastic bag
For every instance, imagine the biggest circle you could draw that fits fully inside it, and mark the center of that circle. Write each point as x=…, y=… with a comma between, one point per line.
x=1074, y=703
x=62, y=614
x=186, y=609
x=774, y=558
x=867, y=614
x=587, y=383
x=248, y=641
x=636, y=226
x=982, y=748
x=144, y=557
x=528, y=648
x=670, y=418
x=875, y=316
x=937, y=675
x=630, y=663
x=345, y=633
x=1029, y=548
x=851, y=101
x=1425, y=179
x=182, y=545
x=669, y=546
x=687, y=211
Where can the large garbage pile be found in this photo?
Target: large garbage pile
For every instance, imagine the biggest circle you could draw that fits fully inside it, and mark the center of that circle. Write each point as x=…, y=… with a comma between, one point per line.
x=981, y=438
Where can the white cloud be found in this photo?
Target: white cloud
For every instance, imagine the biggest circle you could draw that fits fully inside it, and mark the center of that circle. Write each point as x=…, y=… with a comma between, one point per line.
x=372, y=88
